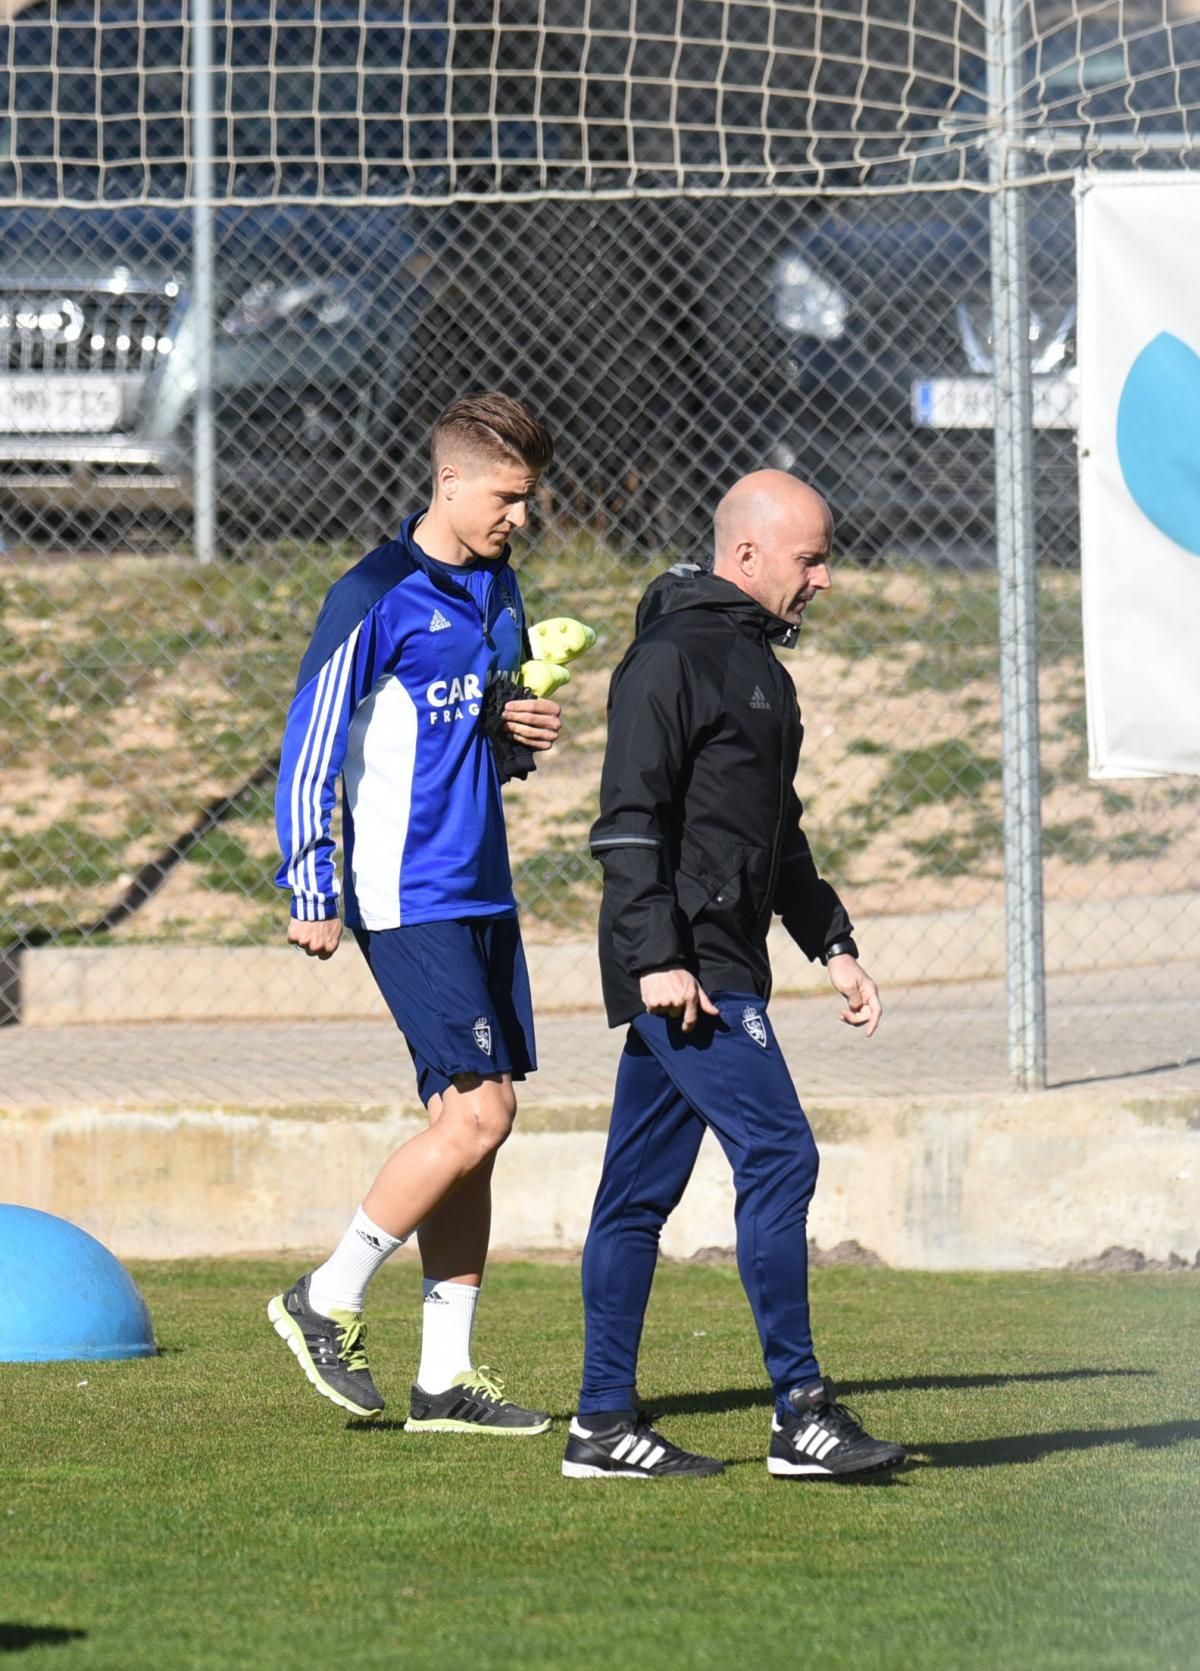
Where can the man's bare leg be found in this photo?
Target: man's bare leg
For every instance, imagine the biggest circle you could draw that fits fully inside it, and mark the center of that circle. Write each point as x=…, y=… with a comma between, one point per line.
x=474, y=1118
x=320, y=1316
x=429, y=1172
x=454, y=1239
x=451, y=1395
x=471, y=1118
x=454, y=1246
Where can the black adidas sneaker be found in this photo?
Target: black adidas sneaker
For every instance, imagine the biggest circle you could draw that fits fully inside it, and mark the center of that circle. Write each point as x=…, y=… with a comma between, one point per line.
x=629, y=1450
x=332, y=1351
x=474, y=1402
x=825, y=1440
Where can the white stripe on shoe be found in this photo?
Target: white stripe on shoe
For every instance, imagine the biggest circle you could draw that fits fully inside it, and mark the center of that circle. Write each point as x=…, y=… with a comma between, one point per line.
x=813, y=1442
x=780, y=1465
x=585, y=1471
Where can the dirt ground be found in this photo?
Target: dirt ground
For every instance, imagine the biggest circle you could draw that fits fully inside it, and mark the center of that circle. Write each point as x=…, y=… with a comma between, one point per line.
x=114, y=745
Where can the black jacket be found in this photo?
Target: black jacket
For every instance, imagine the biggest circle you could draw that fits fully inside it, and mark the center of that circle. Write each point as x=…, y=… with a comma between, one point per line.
x=699, y=828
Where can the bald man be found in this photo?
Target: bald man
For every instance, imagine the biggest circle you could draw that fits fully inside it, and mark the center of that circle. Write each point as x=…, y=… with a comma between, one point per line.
x=700, y=839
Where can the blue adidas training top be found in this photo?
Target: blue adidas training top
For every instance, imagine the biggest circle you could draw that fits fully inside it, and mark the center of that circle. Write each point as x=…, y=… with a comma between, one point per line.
x=389, y=696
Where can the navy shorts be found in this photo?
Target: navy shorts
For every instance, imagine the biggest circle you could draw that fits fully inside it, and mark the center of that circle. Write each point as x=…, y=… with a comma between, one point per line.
x=459, y=992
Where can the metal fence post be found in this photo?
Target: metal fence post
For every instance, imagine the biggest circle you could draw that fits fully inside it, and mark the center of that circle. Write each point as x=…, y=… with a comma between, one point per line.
x=204, y=483
x=1016, y=558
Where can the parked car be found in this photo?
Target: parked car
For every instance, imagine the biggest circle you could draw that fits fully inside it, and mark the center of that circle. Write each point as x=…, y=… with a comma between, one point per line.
x=97, y=367
x=343, y=322
x=672, y=342
x=884, y=305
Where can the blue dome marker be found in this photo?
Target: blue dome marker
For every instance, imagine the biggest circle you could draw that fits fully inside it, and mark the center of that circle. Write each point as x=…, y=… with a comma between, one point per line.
x=65, y=1295
x=1158, y=438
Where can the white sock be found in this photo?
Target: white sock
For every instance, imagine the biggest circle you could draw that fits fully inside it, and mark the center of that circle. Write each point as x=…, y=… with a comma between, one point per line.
x=341, y=1282
x=447, y=1316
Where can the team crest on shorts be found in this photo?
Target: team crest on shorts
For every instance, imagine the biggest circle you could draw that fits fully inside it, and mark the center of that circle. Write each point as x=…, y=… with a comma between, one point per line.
x=755, y=1026
x=483, y=1034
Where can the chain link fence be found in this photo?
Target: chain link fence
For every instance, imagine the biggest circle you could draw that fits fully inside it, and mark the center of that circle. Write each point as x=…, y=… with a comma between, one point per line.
x=698, y=238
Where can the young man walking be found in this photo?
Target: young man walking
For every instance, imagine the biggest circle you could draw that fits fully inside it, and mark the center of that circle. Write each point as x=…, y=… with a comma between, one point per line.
x=391, y=697
x=699, y=836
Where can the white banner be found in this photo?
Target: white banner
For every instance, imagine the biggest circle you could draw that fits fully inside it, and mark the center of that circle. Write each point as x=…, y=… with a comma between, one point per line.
x=1139, y=439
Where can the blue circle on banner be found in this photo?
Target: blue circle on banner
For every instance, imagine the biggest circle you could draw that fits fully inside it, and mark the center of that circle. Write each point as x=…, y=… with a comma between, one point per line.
x=65, y=1295
x=1158, y=425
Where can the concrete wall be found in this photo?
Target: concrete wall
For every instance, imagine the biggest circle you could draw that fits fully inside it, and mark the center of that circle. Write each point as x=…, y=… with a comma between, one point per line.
x=1005, y=1183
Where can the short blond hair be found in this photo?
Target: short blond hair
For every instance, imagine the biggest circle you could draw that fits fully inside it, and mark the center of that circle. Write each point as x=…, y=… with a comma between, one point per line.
x=493, y=427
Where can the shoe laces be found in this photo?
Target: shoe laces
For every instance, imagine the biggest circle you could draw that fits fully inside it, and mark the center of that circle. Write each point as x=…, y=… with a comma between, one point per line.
x=643, y=1423
x=352, y=1343
x=485, y=1380
x=840, y=1419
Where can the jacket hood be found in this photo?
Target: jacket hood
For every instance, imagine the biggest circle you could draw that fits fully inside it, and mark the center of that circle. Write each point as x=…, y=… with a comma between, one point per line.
x=688, y=586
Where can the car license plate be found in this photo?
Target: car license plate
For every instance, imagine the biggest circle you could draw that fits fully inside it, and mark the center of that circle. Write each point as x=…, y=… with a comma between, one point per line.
x=967, y=402
x=50, y=405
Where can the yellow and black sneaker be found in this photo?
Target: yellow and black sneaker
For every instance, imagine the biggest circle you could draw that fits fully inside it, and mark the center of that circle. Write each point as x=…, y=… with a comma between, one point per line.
x=474, y=1402
x=332, y=1351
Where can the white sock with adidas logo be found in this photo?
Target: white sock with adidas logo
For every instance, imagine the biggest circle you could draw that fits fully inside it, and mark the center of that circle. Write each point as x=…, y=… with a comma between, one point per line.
x=447, y=1318
x=341, y=1282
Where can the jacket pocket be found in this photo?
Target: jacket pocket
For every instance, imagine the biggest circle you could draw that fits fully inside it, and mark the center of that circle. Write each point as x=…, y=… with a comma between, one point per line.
x=737, y=902
x=709, y=879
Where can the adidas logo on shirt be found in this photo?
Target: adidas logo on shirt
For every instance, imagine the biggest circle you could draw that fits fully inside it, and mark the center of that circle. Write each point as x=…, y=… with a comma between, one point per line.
x=439, y=622
x=758, y=700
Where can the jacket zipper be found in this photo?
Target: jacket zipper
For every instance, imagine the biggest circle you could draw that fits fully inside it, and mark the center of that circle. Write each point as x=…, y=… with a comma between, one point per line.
x=779, y=678
x=452, y=587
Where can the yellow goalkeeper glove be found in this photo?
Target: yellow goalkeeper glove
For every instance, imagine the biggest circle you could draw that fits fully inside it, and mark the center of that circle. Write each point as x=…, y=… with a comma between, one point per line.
x=560, y=640
x=554, y=643
x=543, y=678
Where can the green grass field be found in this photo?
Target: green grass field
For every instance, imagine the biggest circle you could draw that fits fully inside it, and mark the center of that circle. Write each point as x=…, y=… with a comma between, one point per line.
x=205, y=1509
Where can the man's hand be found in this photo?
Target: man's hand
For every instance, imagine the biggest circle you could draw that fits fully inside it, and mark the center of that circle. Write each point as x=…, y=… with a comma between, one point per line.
x=315, y=939
x=676, y=992
x=533, y=721
x=863, y=1006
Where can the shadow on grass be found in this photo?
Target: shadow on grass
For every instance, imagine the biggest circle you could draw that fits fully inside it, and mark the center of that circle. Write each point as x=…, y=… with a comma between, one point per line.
x=952, y=1383
x=1012, y=1449
x=1032, y=1447
x=876, y=1478
x=14, y=1639
x=753, y=1398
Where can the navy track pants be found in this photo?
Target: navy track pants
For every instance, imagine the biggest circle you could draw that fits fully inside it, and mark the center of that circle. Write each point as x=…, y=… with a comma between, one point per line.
x=729, y=1075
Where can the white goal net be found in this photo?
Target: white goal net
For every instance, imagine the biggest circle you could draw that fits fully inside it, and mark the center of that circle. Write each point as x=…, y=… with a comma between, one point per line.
x=382, y=101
